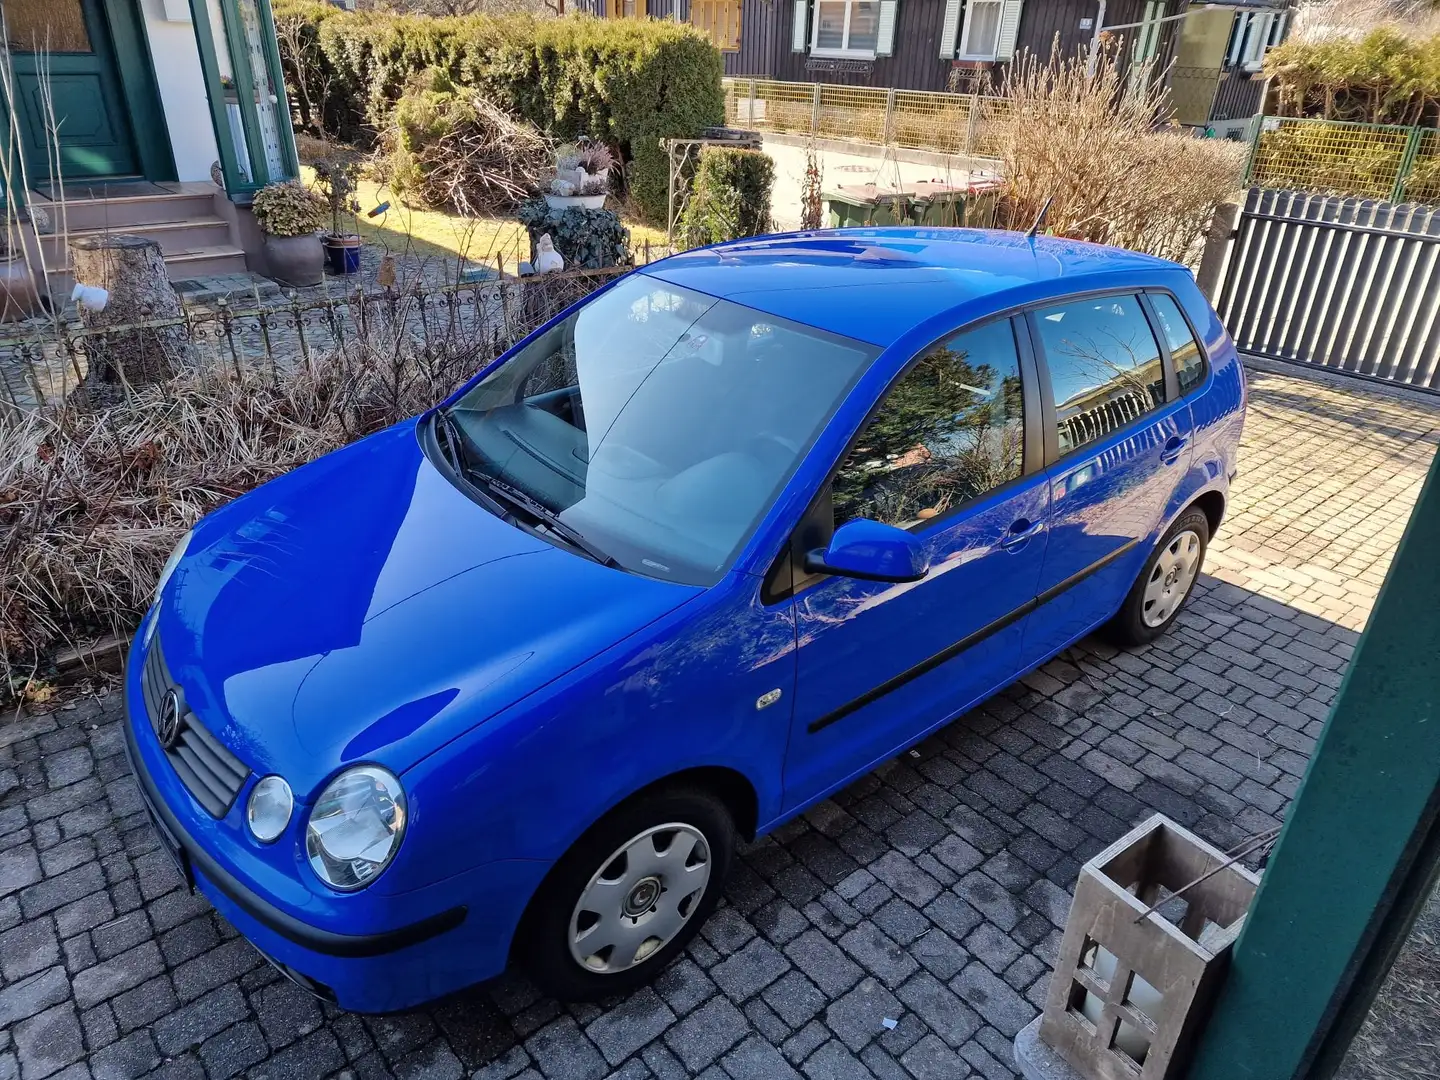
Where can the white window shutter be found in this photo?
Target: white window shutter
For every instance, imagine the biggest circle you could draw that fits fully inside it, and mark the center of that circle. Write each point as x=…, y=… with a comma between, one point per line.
x=885, y=31
x=950, y=30
x=802, y=20
x=1009, y=29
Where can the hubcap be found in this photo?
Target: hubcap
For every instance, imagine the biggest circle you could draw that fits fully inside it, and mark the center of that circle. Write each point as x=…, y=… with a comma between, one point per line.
x=1171, y=577
x=640, y=898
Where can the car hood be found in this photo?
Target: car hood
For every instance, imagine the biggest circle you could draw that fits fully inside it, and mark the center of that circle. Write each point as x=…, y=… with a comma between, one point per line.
x=363, y=608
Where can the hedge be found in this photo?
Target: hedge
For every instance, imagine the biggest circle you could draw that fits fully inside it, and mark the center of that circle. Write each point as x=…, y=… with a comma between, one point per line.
x=731, y=196
x=631, y=82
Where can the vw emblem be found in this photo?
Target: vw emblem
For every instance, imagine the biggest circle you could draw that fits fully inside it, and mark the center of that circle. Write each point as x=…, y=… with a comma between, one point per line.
x=167, y=728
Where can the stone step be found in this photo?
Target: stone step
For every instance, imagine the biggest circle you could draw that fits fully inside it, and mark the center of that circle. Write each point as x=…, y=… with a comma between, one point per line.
x=123, y=213
x=174, y=237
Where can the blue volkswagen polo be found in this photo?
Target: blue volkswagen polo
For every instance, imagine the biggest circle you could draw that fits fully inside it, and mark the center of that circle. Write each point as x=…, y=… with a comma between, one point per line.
x=510, y=682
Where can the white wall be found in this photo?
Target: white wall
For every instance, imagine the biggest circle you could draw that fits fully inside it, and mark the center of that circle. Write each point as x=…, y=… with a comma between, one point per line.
x=182, y=87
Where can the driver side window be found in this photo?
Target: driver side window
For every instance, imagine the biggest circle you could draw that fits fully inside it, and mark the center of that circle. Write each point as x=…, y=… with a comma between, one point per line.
x=948, y=431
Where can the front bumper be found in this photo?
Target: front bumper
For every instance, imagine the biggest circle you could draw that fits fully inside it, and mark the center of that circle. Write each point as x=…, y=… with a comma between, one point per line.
x=378, y=971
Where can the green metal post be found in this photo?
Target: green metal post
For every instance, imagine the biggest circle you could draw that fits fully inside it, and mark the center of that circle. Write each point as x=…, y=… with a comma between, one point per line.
x=1360, y=847
x=1254, y=151
x=1407, y=164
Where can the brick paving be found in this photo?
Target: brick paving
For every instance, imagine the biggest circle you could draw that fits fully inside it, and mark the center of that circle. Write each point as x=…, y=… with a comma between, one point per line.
x=929, y=893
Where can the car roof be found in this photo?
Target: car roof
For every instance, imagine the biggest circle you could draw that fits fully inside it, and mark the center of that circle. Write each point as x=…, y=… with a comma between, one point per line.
x=877, y=284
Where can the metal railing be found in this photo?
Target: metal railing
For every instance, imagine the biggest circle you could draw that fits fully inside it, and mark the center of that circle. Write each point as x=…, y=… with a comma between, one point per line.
x=909, y=119
x=45, y=361
x=1373, y=161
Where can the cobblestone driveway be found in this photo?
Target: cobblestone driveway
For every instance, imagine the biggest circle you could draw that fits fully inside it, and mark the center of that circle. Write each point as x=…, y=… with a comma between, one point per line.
x=929, y=893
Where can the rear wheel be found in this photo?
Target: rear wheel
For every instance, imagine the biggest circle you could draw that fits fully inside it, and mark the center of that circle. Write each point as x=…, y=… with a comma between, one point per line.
x=628, y=896
x=1165, y=583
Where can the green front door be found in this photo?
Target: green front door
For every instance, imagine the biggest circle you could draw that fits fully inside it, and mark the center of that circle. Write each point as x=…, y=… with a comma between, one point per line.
x=90, y=121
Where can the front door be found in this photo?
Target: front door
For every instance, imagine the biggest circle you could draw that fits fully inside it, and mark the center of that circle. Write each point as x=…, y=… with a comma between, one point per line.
x=1122, y=445
x=944, y=456
x=68, y=89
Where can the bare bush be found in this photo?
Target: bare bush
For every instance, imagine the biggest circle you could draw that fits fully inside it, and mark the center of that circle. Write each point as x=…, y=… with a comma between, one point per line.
x=92, y=501
x=1089, y=141
x=454, y=148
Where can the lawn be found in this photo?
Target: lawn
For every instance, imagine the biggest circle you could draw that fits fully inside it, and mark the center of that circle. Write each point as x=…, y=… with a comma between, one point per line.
x=431, y=234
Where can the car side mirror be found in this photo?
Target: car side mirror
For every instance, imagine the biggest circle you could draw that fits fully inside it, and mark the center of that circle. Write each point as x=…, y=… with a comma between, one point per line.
x=870, y=551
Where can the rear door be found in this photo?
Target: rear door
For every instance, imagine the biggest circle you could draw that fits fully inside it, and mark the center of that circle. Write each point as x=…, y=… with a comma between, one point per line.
x=1118, y=445
x=946, y=454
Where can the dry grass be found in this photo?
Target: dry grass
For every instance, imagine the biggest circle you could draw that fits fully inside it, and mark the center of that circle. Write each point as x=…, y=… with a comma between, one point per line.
x=92, y=501
x=1091, y=143
x=1400, y=1039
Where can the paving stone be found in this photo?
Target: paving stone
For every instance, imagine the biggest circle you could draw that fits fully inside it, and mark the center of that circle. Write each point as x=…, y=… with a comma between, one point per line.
x=834, y=1061
x=755, y=1059
x=131, y=1057
x=48, y=1041
x=32, y=995
x=940, y=1008
x=27, y=949
x=931, y=1059
x=561, y=1052
x=820, y=959
x=702, y=1037
x=750, y=970
x=637, y=1020
x=320, y=1054
x=993, y=999
x=118, y=974
x=795, y=999
x=858, y=1016
x=878, y=954
x=233, y=1051
x=192, y=1024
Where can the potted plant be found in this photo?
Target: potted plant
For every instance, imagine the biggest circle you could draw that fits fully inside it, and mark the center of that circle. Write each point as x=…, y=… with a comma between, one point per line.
x=291, y=216
x=19, y=298
x=335, y=181
x=582, y=176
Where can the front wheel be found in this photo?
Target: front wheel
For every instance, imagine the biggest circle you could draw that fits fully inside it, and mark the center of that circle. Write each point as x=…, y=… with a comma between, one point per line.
x=1165, y=583
x=628, y=896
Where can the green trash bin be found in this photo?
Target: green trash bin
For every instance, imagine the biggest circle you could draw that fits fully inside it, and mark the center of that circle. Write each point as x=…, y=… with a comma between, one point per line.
x=864, y=204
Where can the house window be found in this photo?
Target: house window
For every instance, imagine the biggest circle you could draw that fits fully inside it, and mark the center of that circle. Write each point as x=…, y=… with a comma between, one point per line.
x=1251, y=36
x=719, y=20
x=980, y=38
x=846, y=28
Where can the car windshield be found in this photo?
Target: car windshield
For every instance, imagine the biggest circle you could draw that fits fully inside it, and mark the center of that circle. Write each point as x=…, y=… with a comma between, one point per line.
x=658, y=424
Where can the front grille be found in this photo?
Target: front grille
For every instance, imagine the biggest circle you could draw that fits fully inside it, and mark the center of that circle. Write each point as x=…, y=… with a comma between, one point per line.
x=208, y=770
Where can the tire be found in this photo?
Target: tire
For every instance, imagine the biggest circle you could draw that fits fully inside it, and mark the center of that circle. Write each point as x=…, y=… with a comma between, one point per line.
x=1152, y=606
x=575, y=914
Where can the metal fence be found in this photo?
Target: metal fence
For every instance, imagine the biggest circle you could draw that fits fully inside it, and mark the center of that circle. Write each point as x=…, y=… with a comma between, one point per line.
x=1344, y=284
x=909, y=119
x=45, y=361
x=1376, y=161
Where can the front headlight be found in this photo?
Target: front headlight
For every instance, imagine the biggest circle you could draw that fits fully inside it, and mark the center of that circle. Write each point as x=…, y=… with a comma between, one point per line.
x=355, y=827
x=268, y=810
x=172, y=562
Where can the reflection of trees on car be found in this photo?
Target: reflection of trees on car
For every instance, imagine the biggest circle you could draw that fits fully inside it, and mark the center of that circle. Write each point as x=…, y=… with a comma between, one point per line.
x=948, y=431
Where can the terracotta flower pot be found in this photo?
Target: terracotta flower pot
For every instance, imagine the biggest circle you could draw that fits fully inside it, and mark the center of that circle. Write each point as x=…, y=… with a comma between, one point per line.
x=295, y=260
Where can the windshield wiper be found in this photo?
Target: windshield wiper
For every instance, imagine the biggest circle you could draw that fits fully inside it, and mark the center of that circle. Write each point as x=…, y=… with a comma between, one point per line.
x=449, y=438
x=538, y=510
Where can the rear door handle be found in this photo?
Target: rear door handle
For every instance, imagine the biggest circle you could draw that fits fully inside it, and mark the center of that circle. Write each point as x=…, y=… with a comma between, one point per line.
x=1021, y=533
x=1173, y=446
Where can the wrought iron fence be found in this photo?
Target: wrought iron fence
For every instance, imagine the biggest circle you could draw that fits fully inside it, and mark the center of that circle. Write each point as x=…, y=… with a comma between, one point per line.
x=910, y=119
x=44, y=361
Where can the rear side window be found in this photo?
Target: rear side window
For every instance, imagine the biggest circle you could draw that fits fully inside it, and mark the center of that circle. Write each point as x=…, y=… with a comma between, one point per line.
x=1104, y=364
x=1185, y=351
x=949, y=430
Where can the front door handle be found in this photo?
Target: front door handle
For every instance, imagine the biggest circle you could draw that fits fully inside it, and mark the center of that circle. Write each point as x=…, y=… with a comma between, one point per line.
x=1173, y=446
x=1022, y=531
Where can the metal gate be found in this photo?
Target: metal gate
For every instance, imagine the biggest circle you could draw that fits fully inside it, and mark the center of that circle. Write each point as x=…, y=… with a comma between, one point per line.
x=1349, y=285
